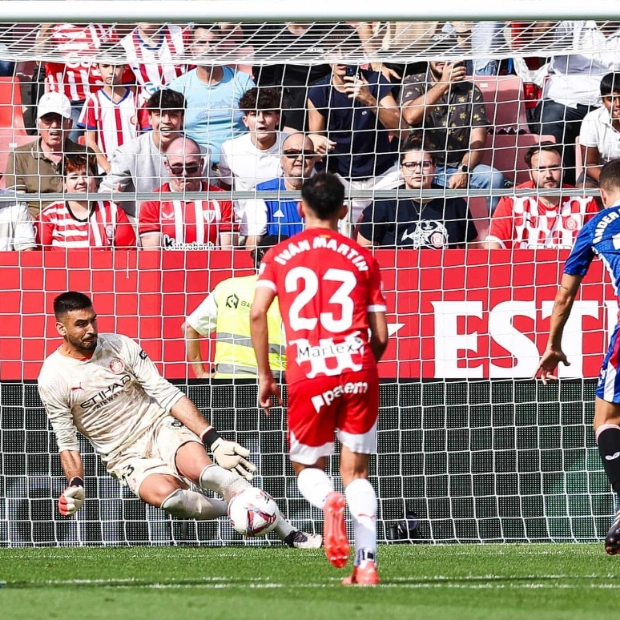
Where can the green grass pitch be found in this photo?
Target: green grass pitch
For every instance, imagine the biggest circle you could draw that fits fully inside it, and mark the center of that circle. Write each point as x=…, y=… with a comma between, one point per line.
x=535, y=581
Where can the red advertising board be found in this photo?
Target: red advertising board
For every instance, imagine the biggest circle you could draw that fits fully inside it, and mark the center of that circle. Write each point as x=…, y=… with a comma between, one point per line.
x=453, y=314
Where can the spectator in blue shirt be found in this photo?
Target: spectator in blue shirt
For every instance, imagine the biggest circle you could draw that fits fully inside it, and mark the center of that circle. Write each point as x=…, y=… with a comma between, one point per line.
x=212, y=95
x=274, y=216
x=351, y=114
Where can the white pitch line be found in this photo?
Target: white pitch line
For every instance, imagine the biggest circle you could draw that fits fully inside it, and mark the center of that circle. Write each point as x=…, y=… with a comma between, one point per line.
x=217, y=583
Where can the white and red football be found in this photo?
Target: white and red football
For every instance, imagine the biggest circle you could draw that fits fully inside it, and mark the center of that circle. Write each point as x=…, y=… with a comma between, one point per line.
x=253, y=512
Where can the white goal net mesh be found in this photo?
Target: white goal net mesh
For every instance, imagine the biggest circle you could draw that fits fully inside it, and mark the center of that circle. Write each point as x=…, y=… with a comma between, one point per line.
x=471, y=220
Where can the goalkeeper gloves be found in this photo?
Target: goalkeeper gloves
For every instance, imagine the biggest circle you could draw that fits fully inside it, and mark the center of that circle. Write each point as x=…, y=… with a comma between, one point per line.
x=228, y=454
x=72, y=497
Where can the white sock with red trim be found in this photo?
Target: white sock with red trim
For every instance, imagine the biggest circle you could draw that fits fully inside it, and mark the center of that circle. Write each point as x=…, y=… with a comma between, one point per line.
x=314, y=484
x=362, y=502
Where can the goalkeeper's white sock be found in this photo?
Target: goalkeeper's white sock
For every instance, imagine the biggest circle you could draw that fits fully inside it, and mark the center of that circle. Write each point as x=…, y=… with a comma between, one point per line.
x=187, y=504
x=222, y=481
x=283, y=528
x=314, y=484
x=362, y=502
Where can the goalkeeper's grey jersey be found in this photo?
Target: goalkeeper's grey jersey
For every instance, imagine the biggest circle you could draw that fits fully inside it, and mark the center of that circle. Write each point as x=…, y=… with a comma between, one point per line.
x=112, y=398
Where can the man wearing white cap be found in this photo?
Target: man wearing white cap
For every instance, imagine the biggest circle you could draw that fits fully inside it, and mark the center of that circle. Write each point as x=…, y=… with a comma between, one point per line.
x=33, y=167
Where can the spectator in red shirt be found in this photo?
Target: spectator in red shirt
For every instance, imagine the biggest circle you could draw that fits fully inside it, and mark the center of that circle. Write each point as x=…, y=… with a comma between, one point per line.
x=83, y=223
x=540, y=221
x=187, y=224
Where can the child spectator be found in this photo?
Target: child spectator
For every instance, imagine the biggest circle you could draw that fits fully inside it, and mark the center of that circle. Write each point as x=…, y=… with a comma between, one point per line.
x=109, y=115
x=599, y=137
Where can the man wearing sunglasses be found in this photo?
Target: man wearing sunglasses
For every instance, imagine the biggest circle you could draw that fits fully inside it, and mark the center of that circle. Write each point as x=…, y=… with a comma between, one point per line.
x=173, y=224
x=280, y=216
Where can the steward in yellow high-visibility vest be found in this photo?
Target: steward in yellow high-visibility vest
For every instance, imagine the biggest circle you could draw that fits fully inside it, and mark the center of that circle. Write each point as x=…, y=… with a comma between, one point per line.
x=226, y=313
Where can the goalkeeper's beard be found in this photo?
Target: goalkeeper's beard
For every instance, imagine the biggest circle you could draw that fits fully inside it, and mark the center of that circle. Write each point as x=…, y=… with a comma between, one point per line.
x=86, y=345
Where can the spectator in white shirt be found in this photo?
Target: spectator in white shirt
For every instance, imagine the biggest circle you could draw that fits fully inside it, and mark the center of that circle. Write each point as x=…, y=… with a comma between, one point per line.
x=16, y=226
x=599, y=138
x=254, y=157
x=572, y=89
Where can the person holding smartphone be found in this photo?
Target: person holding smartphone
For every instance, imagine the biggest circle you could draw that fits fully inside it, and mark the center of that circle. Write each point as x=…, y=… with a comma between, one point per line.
x=351, y=115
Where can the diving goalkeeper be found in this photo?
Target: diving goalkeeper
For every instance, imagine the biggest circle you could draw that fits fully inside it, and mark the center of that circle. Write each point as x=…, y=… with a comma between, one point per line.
x=150, y=436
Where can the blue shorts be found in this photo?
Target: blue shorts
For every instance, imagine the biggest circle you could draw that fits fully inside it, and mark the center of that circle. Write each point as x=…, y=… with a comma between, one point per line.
x=608, y=386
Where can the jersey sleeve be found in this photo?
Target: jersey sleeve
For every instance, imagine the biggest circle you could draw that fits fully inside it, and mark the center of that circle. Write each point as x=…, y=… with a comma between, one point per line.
x=228, y=223
x=588, y=134
x=374, y=222
x=124, y=235
x=204, y=318
x=59, y=414
x=267, y=273
x=148, y=218
x=145, y=371
x=87, y=118
x=224, y=165
x=470, y=232
x=582, y=254
x=375, y=300
x=44, y=229
x=317, y=95
x=591, y=210
x=254, y=219
x=25, y=233
x=500, y=228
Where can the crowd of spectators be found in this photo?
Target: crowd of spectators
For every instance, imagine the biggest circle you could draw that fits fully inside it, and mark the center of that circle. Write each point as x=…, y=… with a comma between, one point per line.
x=156, y=122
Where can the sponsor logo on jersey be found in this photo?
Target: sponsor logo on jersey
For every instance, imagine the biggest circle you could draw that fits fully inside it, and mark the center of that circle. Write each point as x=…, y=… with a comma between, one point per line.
x=342, y=354
x=77, y=388
x=103, y=397
x=612, y=457
x=329, y=396
x=143, y=355
x=117, y=365
x=232, y=301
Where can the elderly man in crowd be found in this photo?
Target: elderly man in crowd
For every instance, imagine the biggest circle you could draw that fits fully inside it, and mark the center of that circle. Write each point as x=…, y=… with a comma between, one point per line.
x=186, y=224
x=34, y=167
x=280, y=216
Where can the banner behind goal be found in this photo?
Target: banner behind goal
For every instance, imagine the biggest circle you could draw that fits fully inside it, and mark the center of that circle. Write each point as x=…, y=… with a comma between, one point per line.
x=467, y=440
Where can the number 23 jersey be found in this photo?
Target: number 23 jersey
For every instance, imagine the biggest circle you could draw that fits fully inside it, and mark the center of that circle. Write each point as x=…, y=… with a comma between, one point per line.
x=326, y=285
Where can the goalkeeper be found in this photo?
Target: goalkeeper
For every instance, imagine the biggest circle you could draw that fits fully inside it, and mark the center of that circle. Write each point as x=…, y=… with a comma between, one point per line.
x=149, y=435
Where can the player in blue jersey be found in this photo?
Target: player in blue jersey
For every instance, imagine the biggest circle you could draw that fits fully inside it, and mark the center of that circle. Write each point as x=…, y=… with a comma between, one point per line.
x=599, y=237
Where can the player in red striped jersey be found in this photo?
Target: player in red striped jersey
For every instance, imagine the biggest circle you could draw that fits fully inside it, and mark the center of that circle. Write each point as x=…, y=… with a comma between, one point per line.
x=333, y=311
x=187, y=224
x=83, y=223
x=153, y=53
x=109, y=115
x=540, y=221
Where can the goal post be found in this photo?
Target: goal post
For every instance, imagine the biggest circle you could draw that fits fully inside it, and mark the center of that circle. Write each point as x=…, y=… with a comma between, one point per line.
x=467, y=440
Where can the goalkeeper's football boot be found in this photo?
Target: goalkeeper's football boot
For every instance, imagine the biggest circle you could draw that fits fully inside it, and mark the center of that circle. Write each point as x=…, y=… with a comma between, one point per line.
x=335, y=531
x=612, y=541
x=364, y=572
x=302, y=540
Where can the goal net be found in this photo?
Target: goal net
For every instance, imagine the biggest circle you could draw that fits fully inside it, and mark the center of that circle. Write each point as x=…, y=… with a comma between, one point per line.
x=470, y=447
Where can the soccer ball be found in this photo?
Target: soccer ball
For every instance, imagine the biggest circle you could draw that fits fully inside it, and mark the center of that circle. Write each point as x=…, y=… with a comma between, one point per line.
x=253, y=512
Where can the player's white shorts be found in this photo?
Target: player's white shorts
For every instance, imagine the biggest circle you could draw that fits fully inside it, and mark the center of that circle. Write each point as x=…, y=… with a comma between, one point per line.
x=153, y=453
